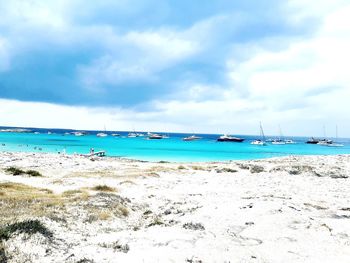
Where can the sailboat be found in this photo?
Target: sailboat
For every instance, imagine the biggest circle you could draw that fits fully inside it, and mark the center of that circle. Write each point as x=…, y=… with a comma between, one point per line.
x=102, y=134
x=324, y=141
x=279, y=141
x=261, y=141
x=333, y=144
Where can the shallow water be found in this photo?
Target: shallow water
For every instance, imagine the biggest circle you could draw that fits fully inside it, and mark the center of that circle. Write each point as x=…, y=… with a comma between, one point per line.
x=172, y=149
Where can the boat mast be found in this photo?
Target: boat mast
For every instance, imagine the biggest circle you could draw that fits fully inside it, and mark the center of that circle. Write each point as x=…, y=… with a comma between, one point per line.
x=262, y=132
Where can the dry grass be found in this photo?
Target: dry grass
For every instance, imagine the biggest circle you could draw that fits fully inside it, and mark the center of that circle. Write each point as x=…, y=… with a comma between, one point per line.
x=123, y=210
x=20, y=201
x=103, y=188
x=198, y=168
x=92, y=174
x=104, y=215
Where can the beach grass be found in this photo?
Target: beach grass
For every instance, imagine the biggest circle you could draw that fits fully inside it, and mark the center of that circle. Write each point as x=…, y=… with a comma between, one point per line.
x=103, y=188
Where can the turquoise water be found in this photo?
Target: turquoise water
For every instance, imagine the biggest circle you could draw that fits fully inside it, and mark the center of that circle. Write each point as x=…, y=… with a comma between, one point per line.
x=172, y=149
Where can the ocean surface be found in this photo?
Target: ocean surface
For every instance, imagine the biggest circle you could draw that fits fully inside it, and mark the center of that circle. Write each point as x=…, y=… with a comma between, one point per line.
x=171, y=149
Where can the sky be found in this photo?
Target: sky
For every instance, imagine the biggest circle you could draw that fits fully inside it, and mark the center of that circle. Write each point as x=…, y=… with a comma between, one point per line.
x=183, y=66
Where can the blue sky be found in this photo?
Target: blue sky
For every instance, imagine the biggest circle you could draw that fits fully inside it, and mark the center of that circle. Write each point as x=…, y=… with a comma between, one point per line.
x=150, y=63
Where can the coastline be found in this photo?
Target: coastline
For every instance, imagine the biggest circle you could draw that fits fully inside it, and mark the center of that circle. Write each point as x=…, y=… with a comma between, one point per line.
x=110, y=209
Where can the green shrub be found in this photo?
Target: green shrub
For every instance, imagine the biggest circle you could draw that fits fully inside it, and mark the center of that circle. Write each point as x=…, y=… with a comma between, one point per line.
x=14, y=170
x=33, y=173
x=28, y=227
x=103, y=188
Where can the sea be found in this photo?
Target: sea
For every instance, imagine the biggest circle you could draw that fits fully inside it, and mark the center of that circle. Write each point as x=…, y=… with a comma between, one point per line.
x=172, y=149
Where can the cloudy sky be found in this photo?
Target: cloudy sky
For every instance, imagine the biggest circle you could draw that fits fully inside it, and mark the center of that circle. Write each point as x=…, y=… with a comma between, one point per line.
x=197, y=66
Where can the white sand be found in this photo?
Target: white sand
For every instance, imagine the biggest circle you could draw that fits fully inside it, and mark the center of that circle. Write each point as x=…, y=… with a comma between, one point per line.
x=293, y=209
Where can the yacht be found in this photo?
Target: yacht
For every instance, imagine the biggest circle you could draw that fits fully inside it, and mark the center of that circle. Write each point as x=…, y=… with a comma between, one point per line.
x=78, y=134
x=191, y=138
x=258, y=142
x=278, y=142
x=155, y=136
x=229, y=138
x=333, y=144
x=132, y=135
x=325, y=142
x=101, y=134
x=261, y=141
x=313, y=140
x=289, y=141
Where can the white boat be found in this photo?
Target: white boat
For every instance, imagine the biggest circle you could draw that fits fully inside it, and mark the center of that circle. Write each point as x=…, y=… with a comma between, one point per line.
x=325, y=141
x=78, y=134
x=132, y=135
x=334, y=144
x=191, y=138
x=279, y=141
x=155, y=136
x=289, y=141
x=102, y=134
x=261, y=141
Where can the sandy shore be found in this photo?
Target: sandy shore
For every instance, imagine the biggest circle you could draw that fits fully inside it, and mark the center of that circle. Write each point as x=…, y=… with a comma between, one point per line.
x=293, y=209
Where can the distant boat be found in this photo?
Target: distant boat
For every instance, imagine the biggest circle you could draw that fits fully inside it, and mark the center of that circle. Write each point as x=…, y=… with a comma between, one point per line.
x=289, y=141
x=229, y=138
x=261, y=141
x=334, y=144
x=325, y=141
x=132, y=135
x=115, y=134
x=279, y=141
x=191, y=138
x=102, y=134
x=78, y=134
x=312, y=140
x=155, y=136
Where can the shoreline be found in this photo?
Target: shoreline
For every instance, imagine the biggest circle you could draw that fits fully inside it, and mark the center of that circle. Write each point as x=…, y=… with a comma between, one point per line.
x=174, y=162
x=116, y=209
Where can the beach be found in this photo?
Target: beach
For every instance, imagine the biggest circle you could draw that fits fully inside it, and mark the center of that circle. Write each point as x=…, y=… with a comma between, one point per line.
x=71, y=208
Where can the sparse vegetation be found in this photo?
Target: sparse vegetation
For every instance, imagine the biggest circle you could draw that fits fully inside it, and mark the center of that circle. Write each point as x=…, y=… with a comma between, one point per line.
x=181, y=167
x=226, y=170
x=14, y=171
x=17, y=171
x=104, y=215
x=116, y=246
x=104, y=188
x=193, y=226
x=163, y=162
x=28, y=227
x=3, y=257
x=156, y=222
x=34, y=173
x=257, y=169
x=197, y=168
x=123, y=210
